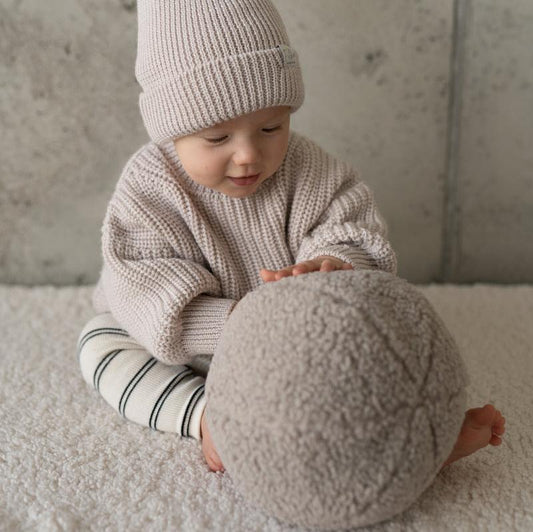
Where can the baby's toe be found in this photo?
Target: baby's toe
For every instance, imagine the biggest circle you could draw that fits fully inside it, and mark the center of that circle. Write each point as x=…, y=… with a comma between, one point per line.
x=495, y=440
x=499, y=426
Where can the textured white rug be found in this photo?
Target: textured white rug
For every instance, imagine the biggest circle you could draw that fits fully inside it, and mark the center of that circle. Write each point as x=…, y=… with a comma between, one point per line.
x=69, y=462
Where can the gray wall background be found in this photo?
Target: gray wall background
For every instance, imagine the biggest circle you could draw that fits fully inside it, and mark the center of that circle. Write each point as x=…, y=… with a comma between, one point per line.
x=431, y=100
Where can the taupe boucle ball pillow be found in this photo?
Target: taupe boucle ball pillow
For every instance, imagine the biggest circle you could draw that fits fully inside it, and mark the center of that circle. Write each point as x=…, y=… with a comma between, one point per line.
x=333, y=399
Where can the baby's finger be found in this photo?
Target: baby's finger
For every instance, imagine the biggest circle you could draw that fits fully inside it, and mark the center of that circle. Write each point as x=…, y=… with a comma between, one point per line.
x=306, y=267
x=347, y=266
x=268, y=276
x=282, y=273
x=327, y=266
x=299, y=269
x=265, y=274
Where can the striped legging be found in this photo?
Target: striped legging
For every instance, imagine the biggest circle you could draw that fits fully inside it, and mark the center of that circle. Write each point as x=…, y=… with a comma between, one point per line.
x=136, y=385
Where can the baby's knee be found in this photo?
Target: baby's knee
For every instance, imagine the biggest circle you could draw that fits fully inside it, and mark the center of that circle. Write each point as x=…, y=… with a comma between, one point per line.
x=101, y=338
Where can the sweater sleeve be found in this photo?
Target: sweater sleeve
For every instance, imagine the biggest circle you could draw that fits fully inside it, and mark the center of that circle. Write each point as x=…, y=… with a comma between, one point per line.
x=342, y=220
x=154, y=279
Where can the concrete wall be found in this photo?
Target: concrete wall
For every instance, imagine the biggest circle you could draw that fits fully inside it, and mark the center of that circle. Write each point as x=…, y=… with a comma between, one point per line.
x=431, y=100
x=492, y=237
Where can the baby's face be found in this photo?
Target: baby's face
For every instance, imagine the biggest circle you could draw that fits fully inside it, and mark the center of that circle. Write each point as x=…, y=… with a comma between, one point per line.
x=250, y=144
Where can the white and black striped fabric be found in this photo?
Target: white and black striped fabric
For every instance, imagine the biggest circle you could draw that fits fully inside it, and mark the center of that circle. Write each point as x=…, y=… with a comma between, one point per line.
x=136, y=385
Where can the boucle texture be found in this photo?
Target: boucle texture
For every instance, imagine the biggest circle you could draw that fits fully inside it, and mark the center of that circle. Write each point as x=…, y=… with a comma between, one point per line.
x=333, y=399
x=177, y=255
x=202, y=62
x=69, y=463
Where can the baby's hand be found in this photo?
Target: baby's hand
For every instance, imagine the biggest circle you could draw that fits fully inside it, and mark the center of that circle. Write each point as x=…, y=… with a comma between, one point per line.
x=322, y=264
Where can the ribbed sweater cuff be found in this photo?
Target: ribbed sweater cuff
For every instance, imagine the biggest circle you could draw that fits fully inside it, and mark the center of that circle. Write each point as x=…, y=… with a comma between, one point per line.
x=202, y=320
x=358, y=258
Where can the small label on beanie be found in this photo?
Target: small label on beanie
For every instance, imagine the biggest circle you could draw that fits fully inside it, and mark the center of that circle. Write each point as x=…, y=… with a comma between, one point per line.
x=288, y=55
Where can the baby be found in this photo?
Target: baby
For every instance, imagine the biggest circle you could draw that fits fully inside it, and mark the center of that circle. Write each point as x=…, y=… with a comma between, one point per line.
x=224, y=197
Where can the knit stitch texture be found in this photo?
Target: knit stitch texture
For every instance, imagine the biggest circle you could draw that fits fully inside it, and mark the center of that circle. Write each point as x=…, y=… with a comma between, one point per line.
x=177, y=256
x=201, y=62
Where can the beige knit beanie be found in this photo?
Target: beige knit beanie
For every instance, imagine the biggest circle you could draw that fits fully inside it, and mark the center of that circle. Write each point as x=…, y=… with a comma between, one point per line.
x=201, y=62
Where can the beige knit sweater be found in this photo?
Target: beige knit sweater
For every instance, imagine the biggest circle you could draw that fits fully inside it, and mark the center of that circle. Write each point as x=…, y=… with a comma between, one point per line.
x=177, y=256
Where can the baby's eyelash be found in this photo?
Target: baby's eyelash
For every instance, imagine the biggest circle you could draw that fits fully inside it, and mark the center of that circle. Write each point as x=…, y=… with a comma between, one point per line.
x=221, y=139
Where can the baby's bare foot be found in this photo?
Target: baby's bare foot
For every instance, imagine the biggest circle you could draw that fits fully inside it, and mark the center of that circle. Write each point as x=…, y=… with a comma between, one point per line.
x=481, y=427
x=208, y=447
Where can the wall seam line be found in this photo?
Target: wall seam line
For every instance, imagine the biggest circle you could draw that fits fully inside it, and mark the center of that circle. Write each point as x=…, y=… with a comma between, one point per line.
x=451, y=222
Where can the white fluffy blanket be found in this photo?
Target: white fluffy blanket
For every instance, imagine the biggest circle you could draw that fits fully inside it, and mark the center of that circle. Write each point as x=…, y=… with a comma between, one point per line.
x=69, y=462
